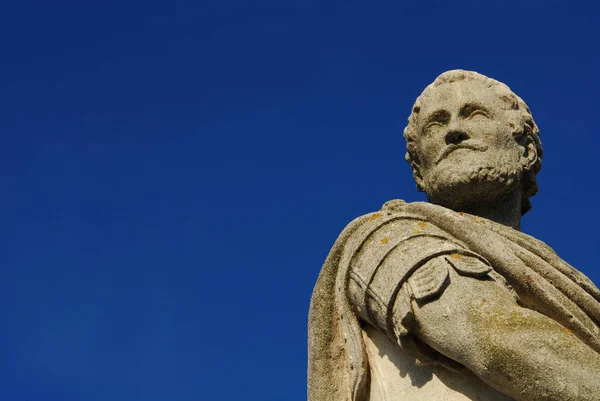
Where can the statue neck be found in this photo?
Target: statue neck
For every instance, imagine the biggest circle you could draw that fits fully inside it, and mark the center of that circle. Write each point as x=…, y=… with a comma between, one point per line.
x=505, y=210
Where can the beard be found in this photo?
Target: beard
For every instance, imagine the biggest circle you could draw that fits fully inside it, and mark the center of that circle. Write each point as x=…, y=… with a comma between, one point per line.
x=466, y=183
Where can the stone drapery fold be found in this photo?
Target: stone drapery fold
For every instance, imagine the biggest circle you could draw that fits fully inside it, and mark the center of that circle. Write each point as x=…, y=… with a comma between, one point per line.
x=337, y=365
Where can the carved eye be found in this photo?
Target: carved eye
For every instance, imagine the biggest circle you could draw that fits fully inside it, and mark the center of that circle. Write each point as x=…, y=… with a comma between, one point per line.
x=478, y=112
x=473, y=110
x=436, y=120
x=432, y=126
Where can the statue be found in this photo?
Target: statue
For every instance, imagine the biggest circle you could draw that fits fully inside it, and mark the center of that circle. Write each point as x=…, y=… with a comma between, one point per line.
x=448, y=300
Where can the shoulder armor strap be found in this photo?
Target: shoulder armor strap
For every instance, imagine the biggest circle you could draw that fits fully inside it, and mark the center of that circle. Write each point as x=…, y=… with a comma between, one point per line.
x=429, y=280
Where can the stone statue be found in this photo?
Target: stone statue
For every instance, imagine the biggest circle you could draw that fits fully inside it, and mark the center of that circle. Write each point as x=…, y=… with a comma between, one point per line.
x=448, y=300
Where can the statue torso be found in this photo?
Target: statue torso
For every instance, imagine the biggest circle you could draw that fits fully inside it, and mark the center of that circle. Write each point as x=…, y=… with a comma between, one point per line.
x=386, y=264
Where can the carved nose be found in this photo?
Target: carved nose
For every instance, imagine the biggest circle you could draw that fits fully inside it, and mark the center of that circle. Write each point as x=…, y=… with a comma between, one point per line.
x=455, y=137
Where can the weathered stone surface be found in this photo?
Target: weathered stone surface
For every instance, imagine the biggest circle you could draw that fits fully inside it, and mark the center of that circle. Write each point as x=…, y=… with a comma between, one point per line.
x=448, y=300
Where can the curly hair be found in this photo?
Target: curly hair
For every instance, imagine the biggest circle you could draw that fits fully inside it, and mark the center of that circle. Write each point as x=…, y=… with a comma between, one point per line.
x=519, y=116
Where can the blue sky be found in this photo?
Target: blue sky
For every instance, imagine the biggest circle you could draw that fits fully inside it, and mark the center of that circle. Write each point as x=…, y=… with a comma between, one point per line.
x=174, y=173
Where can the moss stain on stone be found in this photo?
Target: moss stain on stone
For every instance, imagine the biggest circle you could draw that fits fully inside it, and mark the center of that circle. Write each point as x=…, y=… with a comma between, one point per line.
x=375, y=216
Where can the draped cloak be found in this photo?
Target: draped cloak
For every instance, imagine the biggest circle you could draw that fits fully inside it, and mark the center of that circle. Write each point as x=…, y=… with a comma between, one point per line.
x=337, y=364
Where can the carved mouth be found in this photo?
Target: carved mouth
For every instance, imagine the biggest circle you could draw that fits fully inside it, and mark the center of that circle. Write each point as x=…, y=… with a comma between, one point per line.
x=452, y=148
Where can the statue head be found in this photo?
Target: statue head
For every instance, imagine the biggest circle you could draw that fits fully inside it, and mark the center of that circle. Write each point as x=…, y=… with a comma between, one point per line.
x=469, y=138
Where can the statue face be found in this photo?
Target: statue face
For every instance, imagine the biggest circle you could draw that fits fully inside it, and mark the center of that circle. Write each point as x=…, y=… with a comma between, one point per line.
x=466, y=144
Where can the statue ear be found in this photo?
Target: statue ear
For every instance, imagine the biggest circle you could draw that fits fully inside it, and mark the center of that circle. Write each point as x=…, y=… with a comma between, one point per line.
x=530, y=156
